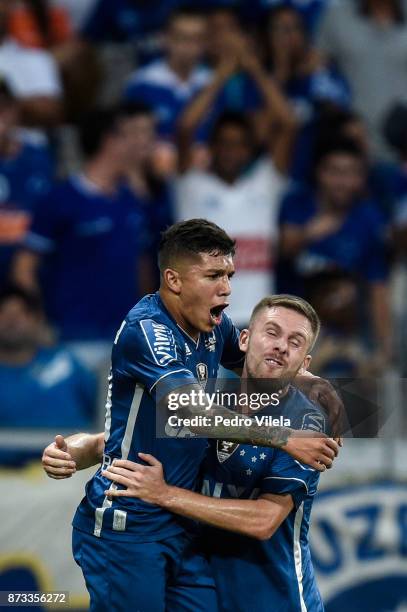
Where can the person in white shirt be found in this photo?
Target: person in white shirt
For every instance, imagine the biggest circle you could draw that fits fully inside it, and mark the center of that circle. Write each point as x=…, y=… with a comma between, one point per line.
x=240, y=191
x=170, y=83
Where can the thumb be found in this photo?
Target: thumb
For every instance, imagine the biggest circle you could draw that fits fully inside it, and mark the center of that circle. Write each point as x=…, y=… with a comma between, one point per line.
x=60, y=443
x=149, y=459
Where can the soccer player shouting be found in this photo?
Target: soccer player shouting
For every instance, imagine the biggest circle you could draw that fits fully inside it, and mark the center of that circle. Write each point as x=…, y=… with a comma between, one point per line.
x=123, y=546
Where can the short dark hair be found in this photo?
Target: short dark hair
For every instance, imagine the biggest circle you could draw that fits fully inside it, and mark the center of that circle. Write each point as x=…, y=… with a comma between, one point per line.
x=292, y=302
x=193, y=237
x=235, y=119
x=338, y=146
x=31, y=299
x=96, y=125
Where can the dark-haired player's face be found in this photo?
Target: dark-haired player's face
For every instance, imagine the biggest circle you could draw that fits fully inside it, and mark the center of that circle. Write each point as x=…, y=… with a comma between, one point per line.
x=205, y=289
x=341, y=178
x=277, y=344
x=232, y=151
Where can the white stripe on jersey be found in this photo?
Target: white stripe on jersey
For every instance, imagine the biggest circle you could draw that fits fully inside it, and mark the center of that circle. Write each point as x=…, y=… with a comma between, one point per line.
x=107, y=503
x=297, y=553
x=128, y=436
x=168, y=374
x=286, y=478
x=131, y=420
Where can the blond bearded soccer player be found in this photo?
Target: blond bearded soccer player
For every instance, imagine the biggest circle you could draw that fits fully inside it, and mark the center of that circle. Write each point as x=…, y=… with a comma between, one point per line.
x=255, y=491
x=166, y=336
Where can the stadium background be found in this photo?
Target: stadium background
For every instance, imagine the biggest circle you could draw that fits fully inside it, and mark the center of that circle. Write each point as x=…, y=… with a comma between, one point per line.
x=339, y=98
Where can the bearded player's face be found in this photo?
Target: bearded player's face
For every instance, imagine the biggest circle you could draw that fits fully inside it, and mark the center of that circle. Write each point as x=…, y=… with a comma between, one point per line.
x=276, y=344
x=205, y=289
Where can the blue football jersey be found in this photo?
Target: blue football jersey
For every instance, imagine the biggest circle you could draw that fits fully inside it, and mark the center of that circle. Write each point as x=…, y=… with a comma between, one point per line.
x=150, y=348
x=276, y=574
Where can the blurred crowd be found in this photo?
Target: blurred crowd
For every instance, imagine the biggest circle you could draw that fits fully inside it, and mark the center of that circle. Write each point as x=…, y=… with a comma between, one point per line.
x=284, y=121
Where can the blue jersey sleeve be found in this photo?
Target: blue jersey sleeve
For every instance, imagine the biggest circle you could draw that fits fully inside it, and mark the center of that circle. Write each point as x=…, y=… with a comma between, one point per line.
x=148, y=351
x=232, y=356
x=288, y=476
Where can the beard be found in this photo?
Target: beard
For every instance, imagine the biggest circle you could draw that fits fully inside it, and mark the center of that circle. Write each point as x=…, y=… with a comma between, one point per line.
x=269, y=384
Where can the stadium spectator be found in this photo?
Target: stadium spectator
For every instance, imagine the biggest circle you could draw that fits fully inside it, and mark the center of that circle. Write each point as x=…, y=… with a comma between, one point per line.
x=26, y=174
x=240, y=191
x=40, y=24
x=368, y=41
x=228, y=42
x=33, y=77
x=93, y=236
x=41, y=386
x=332, y=226
x=169, y=84
x=309, y=83
x=382, y=176
x=340, y=351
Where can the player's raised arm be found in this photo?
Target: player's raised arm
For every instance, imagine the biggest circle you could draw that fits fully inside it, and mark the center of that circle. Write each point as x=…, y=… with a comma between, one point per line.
x=64, y=456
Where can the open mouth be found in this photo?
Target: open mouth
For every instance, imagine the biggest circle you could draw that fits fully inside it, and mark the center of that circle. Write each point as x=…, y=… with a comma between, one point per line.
x=216, y=313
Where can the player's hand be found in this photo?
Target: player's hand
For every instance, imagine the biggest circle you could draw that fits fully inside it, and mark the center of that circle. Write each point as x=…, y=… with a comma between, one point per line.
x=143, y=481
x=310, y=448
x=56, y=460
x=321, y=392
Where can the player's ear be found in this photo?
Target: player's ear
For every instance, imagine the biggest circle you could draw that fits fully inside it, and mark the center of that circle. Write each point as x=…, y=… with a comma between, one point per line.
x=305, y=364
x=244, y=340
x=172, y=280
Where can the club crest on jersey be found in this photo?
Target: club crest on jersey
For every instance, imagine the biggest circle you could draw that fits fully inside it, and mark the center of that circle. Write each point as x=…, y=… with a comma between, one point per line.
x=160, y=341
x=313, y=421
x=210, y=343
x=225, y=449
x=202, y=374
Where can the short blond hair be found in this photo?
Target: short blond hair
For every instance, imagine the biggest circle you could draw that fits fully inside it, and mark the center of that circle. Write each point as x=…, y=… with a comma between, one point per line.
x=291, y=302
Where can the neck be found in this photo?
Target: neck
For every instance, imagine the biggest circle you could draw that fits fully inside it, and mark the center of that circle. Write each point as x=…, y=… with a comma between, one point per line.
x=17, y=357
x=171, y=303
x=102, y=173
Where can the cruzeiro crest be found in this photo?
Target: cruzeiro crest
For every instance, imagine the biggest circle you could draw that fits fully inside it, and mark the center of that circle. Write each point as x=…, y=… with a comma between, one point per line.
x=225, y=449
x=202, y=373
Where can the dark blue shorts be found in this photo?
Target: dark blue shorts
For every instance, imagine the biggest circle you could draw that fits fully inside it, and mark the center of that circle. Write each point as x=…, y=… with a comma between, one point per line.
x=167, y=576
